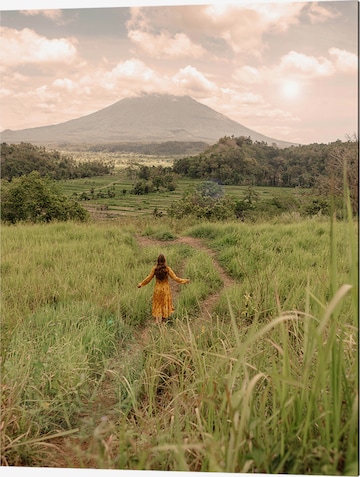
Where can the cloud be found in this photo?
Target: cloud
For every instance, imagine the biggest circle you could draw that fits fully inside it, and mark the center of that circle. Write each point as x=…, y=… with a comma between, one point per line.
x=149, y=32
x=243, y=26
x=248, y=75
x=320, y=14
x=133, y=69
x=277, y=16
x=305, y=66
x=163, y=45
x=345, y=61
x=298, y=66
x=54, y=15
x=64, y=83
x=191, y=81
x=247, y=108
x=19, y=47
x=239, y=26
x=127, y=78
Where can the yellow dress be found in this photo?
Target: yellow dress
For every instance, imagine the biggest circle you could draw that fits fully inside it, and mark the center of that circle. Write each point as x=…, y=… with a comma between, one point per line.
x=162, y=306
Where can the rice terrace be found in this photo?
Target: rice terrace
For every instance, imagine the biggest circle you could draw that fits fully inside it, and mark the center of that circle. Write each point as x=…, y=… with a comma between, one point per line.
x=257, y=369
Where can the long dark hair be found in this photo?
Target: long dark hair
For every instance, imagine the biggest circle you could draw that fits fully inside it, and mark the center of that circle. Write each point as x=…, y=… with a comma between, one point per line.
x=161, y=268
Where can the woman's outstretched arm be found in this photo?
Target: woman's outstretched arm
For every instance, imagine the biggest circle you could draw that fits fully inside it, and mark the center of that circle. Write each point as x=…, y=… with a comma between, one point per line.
x=177, y=279
x=148, y=278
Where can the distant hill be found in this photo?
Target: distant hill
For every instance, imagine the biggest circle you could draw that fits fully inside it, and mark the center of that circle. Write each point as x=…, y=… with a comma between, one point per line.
x=148, y=118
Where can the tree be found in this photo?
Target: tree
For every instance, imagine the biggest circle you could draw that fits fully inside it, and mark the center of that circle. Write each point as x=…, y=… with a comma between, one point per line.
x=342, y=170
x=207, y=201
x=210, y=189
x=37, y=199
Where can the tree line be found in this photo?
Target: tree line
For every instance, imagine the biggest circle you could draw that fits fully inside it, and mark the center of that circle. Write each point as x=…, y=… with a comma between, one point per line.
x=22, y=159
x=241, y=161
x=27, y=173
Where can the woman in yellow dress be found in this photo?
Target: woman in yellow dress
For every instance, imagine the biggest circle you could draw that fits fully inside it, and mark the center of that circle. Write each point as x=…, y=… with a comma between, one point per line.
x=162, y=306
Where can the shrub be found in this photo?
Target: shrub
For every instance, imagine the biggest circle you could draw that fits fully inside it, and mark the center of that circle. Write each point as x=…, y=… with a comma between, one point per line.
x=203, y=206
x=37, y=199
x=318, y=206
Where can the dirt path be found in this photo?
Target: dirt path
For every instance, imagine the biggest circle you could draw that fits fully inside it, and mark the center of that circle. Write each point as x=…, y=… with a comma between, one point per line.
x=209, y=303
x=77, y=451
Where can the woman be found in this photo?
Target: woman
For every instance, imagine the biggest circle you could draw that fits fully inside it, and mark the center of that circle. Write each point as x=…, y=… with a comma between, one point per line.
x=162, y=306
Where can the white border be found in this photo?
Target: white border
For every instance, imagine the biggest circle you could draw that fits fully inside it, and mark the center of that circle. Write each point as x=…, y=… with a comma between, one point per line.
x=66, y=4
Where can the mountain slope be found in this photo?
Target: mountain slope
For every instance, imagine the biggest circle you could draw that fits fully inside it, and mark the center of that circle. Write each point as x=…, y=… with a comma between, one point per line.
x=148, y=118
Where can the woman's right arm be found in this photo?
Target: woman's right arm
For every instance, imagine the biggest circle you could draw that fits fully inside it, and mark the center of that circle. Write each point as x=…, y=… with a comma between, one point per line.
x=148, y=278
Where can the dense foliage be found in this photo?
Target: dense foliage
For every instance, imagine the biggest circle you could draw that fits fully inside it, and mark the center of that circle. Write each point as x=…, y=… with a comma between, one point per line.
x=240, y=161
x=21, y=159
x=150, y=179
x=33, y=198
x=208, y=201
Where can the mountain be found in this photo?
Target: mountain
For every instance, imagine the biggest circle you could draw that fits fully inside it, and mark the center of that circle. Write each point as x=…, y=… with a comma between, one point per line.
x=147, y=118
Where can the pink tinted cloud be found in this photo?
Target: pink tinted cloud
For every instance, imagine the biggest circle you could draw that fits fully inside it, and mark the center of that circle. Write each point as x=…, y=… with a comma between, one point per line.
x=345, y=61
x=163, y=45
x=25, y=46
x=305, y=65
x=319, y=13
x=191, y=81
x=51, y=14
x=240, y=26
x=243, y=26
x=248, y=75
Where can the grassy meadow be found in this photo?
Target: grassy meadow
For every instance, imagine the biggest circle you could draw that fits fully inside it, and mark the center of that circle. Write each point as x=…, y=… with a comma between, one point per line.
x=266, y=383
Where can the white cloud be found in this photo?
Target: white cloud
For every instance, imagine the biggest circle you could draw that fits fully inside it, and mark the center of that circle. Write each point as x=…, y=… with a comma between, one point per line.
x=19, y=47
x=297, y=67
x=128, y=78
x=277, y=16
x=153, y=34
x=305, y=66
x=65, y=84
x=191, y=80
x=243, y=26
x=240, y=26
x=5, y=92
x=133, y=70
x=345, y=61
x=163, y=45
x=54, y=15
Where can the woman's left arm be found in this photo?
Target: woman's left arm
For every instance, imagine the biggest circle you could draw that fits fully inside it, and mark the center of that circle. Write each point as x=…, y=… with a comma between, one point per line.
x=177, y=279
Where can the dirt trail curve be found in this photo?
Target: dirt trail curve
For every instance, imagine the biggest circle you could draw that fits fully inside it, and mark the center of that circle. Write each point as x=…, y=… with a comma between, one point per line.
x=77, y=451
x=208, y=304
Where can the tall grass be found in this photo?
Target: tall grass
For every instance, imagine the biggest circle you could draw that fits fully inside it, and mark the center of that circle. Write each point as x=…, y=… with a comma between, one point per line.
x=267, y=384
x=69, y=306
x=275, y=394
x=276, y=264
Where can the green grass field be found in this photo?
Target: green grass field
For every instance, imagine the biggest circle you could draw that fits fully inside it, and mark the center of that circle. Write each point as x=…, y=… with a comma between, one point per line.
x=266, y=382
x=126, y=204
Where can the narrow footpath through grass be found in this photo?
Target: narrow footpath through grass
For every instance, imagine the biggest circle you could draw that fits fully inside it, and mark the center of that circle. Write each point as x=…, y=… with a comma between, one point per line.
x=97, y=426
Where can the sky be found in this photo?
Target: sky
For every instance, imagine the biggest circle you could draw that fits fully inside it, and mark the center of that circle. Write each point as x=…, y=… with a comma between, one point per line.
x=288, y=70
